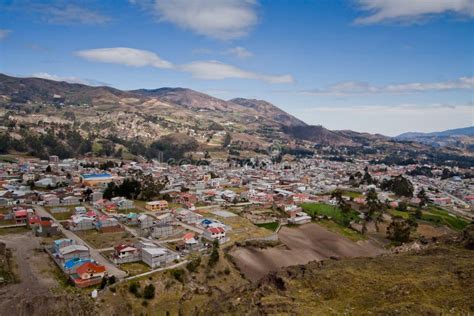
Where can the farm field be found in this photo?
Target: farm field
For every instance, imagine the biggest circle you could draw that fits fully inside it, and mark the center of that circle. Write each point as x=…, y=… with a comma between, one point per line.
x=301, y=245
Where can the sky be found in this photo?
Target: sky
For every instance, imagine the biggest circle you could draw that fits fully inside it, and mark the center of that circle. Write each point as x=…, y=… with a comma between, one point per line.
x=378, y=66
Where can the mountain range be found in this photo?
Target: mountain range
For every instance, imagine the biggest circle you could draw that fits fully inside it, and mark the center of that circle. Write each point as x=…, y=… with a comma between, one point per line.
x=146, y=115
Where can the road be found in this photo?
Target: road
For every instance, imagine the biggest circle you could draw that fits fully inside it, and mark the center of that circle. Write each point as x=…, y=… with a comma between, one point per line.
x=95, y=254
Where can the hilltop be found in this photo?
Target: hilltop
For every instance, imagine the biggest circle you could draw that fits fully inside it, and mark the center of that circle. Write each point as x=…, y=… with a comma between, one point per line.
x=45, y=117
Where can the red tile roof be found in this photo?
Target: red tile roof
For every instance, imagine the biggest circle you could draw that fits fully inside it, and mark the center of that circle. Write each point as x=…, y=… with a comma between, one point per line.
x=90, y=267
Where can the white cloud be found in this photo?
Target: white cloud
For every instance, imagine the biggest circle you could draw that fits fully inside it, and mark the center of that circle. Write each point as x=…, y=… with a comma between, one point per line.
x=361, y=88
x=71, y=14
x=4, y=33
x=125, y=56
x=239, y=52
x=390, y=120
x=407, y=11
x=221, y=19
x=214, y=70
x=209, y=70
x=89, y=82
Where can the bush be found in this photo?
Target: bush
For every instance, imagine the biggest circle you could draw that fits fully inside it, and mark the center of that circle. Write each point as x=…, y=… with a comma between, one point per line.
x=134, y=288
x=214, y=258
x=193, y=264
x=178, y=274
x=112, y=280
x=149, y=291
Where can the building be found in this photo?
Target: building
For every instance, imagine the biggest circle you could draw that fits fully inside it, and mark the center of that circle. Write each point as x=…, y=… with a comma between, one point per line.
x=156, y=206
x=73, y=251
x=158, y=257
x=213, y=233
x=93, y=179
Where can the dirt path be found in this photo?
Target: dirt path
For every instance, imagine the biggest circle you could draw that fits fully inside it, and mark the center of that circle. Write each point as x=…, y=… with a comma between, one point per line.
x=38, y=292
x=301, y=245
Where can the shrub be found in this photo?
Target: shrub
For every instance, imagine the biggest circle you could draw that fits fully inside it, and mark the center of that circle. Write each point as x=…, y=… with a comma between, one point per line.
x=193, y=264
x=178, y=274
x=112, y=280
x=149, y=292
x=134, y=288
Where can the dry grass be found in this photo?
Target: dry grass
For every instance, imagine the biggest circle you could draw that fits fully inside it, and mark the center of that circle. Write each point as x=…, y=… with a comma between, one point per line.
x=105, y=240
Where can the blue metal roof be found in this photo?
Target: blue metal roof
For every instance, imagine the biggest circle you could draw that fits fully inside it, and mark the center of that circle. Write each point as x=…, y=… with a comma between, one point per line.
x=95, y=175
x=75, y=261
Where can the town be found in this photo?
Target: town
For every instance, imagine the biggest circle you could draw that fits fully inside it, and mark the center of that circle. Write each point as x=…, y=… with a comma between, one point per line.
x=101, y=217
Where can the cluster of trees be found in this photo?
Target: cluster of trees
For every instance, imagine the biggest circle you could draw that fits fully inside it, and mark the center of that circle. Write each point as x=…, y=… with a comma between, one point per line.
x=145, y=188
x=399, y=185
x=63, y=144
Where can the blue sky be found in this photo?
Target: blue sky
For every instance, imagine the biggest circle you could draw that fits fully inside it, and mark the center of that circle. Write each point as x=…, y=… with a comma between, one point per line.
x=379, y=66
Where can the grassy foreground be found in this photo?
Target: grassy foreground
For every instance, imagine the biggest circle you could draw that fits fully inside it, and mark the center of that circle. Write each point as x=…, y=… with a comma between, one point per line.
x=438, y=280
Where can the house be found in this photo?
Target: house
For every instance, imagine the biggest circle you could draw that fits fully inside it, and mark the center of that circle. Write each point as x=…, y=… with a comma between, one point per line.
x=61, y=243
x=189, y=217
x=123, y=203
x=20, y=216
x=81, y=222
x=51, y=200
x=145, y=221
x=123, y=250
x=158, y=257
x=46, y=182
x=156, y=206
x=73, y=251
x=300, y=218
x=90, y=270
x=71, y=200
x=44, y=226
x=213, y=233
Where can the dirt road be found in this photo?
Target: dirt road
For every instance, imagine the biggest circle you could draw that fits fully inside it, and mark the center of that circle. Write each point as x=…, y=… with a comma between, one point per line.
x=38, y=291
x=300, y=245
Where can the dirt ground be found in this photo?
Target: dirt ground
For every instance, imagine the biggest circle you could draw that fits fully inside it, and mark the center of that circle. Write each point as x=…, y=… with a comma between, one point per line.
x=300, y=245
x=39, y=291
x=430, y=231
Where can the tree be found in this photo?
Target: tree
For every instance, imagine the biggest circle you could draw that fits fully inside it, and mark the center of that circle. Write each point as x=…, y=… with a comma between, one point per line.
x=150, y=187
x=374, y=210
x=214, y=257
x=103, y=283
x=343, y=205
x=402, y=206
x=399, y=185
x=399, y=230
x=193, y=264
x=48, y=169
x=149, y=291
x=424, y=200
x=227, y=140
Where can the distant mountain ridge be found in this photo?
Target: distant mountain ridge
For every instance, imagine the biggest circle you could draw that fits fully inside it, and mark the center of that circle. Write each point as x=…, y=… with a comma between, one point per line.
x=147, y=114
x=465, y=131
x=252, y=114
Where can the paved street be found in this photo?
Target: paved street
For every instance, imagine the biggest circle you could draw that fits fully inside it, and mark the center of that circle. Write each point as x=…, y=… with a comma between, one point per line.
x=95, y=254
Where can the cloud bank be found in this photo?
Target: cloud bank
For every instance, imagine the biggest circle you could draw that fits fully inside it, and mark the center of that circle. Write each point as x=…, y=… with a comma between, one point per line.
x=208, y=70
x=409, y=11
x=363, y=88
x=219, y=19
